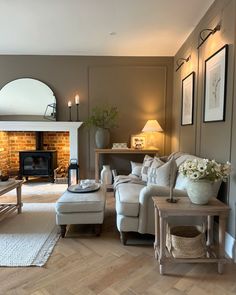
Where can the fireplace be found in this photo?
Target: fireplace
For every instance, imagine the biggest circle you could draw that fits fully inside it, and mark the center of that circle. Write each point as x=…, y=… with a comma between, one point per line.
x=17, y=136
x=38, y=163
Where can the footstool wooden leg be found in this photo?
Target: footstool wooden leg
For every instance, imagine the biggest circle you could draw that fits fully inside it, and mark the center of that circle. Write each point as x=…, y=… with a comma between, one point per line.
x=63, y=230
x=98, y=229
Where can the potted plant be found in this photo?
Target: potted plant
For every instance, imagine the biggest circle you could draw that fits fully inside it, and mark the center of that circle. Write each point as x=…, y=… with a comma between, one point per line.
x=202, y=175
x=103, y=118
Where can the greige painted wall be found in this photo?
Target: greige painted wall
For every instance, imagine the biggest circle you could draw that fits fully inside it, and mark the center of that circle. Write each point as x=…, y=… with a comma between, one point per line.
x=212, y=140
x=141, y=87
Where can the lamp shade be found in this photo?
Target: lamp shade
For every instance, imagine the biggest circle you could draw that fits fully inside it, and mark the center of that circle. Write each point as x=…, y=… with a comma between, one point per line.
x=152, y=126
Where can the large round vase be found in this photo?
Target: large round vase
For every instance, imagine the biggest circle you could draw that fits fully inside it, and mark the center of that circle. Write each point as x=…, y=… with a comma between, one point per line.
x=102, y=138
x=200, y=191
x=106, y=175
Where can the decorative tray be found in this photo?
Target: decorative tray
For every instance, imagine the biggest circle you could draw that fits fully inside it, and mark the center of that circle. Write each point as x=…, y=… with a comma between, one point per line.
x=78, y=188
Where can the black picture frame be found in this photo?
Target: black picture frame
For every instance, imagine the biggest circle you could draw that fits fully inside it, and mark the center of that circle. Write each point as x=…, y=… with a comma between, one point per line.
x=215, y=81
x=187, y=102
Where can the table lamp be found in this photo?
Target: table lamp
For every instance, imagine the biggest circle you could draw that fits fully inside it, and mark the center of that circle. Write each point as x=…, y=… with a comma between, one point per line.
x=151, y=127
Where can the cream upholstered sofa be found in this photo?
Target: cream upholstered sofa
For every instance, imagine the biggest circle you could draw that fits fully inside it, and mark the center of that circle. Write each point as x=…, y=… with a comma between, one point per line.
x=134, y=205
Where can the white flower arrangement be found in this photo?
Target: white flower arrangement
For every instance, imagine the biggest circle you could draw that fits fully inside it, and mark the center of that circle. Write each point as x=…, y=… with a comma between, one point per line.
x=205, y=169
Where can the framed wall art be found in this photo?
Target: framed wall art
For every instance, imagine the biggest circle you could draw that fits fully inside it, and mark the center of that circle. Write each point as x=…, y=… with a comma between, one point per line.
x=215, y=86
x=187, y=100
x=138, y=142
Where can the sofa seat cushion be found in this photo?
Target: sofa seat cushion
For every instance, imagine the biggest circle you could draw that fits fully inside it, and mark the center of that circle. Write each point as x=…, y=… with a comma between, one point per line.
x=81, y=202
x=127, y=199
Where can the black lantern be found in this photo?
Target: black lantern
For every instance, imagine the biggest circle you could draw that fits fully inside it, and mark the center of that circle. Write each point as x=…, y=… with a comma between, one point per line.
x=73, y=172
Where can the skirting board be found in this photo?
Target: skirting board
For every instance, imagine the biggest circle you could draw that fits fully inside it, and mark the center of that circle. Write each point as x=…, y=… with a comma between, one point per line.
x=230, y=246
x=230, y=243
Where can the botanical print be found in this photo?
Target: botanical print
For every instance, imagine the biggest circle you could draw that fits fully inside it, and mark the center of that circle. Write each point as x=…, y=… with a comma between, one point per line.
x=215, y=87
x=187, y=100
x=187, y=104
x=215, y=83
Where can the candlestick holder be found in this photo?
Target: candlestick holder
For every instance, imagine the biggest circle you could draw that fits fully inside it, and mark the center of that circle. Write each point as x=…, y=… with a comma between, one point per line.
x=171, y=199
x=70, y=113
x=77, y=112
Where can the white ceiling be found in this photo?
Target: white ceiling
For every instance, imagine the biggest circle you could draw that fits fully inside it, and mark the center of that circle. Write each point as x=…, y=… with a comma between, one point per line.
x=84, y=27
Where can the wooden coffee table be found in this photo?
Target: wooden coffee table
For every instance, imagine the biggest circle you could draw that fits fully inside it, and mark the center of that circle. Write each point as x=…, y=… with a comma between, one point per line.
x=5, y=187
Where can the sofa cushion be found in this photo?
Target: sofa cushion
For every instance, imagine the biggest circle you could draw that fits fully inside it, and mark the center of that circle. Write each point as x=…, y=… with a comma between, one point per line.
x=147, y=162
x=162, y=174
x=127, y=199
x=136, y=168
x=77, y=202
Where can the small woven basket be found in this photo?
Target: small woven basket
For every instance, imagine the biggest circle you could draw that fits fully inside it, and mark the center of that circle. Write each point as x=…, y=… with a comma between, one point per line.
x=186, y=242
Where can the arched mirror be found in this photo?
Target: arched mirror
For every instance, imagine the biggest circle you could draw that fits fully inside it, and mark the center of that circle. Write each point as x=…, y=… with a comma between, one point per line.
x=27, y=99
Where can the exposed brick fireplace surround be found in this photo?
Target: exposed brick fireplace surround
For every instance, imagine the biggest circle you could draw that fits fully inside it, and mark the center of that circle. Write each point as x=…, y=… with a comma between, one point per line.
x=14, y=141
x=21, y=136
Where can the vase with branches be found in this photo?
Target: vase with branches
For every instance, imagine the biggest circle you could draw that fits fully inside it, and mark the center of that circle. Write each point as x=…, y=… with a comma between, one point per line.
x=103, y=119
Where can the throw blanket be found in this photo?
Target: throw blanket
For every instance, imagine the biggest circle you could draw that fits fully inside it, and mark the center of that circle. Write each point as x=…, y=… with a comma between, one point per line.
x=127, y=178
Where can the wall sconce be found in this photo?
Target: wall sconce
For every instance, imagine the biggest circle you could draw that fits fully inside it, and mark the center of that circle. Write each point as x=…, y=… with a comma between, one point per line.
x=210, y=32
x=180, y=61
x=151, y=127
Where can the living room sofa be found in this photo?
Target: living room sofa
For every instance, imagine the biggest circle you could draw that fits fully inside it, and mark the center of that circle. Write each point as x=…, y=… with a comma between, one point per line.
x=134, y=204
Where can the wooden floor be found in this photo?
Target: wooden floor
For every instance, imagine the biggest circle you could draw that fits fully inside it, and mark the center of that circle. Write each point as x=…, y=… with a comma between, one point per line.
x=84, y=264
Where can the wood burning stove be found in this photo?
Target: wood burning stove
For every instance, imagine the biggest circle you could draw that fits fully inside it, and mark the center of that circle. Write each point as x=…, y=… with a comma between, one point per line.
x=38, y=163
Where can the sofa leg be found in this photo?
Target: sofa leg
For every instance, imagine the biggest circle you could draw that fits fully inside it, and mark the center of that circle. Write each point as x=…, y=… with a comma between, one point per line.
x=123, y=237
x=98, y=229
x=63, y=230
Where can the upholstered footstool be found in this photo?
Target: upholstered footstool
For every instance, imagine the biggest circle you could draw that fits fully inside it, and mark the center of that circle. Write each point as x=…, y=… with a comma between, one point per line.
x=81, y=208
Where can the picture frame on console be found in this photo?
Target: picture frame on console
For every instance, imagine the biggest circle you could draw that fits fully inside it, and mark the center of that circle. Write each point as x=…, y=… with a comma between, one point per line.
x=138, y=142
x=187, y=104
x=215, y=86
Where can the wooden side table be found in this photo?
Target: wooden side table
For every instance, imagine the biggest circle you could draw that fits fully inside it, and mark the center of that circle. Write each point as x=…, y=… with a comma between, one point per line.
x=99, y=152
x=184, y=207
x=5, y=187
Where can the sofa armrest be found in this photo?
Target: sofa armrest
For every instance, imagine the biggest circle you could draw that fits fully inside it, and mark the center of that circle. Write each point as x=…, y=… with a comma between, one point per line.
x=146, y=212
x=155, y=190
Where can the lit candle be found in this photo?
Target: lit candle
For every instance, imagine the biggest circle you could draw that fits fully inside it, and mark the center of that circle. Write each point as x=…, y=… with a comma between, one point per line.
x=77, y=99
x=69, y=104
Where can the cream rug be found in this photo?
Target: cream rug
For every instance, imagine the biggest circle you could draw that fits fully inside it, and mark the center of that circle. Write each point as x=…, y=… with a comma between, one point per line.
x=42, y=188
x=28, y=239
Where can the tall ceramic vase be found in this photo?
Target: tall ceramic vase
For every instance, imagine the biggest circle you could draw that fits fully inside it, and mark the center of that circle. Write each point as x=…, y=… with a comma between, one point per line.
x=102, y=138
x=200, y=191
x=106, y=175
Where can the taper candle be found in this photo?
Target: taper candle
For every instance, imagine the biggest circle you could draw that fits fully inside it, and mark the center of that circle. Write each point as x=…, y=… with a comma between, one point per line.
x=77, y=99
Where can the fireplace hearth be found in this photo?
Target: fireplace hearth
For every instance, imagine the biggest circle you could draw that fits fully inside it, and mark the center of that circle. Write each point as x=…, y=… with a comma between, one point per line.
x=38, y=163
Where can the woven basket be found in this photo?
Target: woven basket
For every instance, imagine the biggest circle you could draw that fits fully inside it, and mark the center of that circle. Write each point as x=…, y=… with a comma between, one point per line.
x=186, y=242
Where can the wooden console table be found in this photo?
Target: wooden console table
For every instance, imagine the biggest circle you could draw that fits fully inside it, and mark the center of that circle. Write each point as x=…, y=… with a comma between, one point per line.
x=184, y=207
x=5, y=187
x=99, y=152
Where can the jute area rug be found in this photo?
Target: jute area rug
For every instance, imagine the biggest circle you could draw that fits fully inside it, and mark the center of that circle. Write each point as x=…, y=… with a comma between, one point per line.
x=27, y=239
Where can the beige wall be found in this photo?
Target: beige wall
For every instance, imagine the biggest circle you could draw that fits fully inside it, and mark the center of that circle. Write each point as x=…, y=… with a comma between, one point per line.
x=141, y=88
x=216, y=139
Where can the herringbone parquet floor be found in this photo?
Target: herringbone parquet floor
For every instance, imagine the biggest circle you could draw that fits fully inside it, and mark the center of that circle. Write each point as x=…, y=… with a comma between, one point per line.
x=87, y=265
